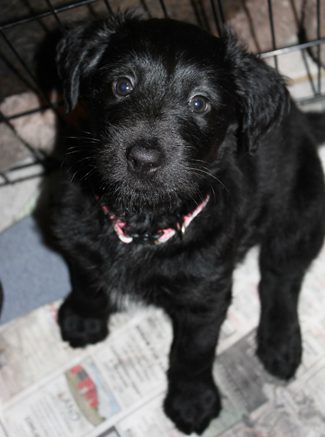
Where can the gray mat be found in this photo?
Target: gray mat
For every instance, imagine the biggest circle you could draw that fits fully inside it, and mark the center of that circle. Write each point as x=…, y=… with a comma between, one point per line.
x=31, y=274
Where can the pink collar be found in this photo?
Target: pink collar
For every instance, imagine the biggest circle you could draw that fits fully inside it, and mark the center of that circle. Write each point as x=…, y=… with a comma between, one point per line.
x=164, y=234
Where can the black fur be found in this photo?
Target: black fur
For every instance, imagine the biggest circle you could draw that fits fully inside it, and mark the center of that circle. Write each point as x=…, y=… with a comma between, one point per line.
x=151, y=159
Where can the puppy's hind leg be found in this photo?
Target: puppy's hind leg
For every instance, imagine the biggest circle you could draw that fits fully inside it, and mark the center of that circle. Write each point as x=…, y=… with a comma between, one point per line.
x=83, y=316
x=285, y=256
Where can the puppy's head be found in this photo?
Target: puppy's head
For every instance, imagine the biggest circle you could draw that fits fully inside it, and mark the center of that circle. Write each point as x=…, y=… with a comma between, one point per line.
x=166, y=99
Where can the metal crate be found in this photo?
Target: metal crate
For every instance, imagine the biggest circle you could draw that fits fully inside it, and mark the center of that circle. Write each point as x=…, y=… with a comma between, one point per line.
x=50, y=14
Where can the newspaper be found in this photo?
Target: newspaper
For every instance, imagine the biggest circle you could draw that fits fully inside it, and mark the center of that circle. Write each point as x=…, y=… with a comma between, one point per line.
x=116, y=388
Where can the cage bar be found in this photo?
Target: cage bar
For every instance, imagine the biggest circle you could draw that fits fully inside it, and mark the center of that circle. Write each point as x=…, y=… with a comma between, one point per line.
x=291, y=48
x=55, y=15
x=38, y=156
x=270, y=11
x=164, y=8
x=58, y=10
x=318, y=31
x=145, y=7
x=30, y=74
x=108, y=7
x=218, y=16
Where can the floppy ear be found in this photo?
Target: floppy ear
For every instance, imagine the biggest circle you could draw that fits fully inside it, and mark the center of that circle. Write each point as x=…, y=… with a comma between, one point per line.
x=80, y=51
x=261, y=92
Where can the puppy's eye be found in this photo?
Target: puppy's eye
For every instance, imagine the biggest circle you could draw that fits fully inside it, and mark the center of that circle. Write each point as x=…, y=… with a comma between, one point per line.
x=122, y=87
x=199, y=104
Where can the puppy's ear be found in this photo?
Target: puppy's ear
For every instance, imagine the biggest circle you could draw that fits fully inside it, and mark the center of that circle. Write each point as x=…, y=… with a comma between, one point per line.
x=78, y=53
x=261, y=92
x=80, y=50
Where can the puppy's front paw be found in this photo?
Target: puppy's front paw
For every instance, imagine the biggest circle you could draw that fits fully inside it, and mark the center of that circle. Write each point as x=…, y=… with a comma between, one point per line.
x=80, y=331
x=191, y=405
x=280, y=353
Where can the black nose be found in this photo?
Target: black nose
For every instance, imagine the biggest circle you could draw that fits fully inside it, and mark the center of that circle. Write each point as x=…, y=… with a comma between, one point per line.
x=144, y=159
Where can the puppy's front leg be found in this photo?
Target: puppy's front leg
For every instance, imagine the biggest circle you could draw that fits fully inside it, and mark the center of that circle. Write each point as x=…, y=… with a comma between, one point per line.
x=193, y=398
x=83, y=316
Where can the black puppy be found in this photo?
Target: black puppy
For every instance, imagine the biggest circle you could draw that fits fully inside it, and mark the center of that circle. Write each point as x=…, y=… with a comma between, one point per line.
x=195, y=152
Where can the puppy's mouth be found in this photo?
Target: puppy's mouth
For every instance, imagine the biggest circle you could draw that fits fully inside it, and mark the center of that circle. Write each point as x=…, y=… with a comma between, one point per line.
x=144, y=228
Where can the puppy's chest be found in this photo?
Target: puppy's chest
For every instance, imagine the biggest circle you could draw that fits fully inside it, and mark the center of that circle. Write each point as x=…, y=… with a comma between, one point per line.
x=154, y=277
x=138, y=273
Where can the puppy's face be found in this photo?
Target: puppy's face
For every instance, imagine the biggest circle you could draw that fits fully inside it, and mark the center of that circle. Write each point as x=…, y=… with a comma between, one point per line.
x=158, y=104
x=162, y=98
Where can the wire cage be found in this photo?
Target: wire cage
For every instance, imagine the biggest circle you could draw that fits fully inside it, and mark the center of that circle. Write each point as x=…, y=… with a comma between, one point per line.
x=283, y=32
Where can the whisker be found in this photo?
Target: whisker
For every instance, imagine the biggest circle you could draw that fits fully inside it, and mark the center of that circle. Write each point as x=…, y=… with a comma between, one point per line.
x=86, y=175
x=200, y=171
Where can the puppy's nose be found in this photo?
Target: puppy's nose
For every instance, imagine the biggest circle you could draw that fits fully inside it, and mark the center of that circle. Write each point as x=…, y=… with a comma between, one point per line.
x=144, y=159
